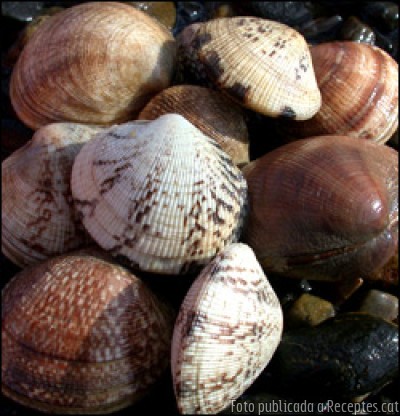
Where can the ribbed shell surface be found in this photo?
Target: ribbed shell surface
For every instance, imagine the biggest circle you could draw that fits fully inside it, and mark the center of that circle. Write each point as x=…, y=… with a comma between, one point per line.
x=359, y=84
x=212, y=113
x=264, y=65
x=97, y=62
x=227, y=329
x=38, y=217
x=159, y=194
x=81, y=335
x=325, y=207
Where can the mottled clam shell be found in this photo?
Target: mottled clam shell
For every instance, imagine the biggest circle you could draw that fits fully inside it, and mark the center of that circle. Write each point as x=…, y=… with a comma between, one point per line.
x=324, y=207
x=264, y=65
x=160, y=195
x=96, y=62
x=359, y=84
x=38, y=217
x=208, y=110
x=228, y=328
x=81, y=336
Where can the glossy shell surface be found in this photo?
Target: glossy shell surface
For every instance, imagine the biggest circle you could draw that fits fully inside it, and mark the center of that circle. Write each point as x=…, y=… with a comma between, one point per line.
x=159, y=194
x=226, y=332
x=81, y=335
x=38, y=217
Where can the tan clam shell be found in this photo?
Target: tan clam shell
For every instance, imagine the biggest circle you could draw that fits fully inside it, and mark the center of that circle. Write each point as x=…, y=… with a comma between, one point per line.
x=227, y=330
x=208, y=110
x=38, y=217
x=97, y=62
x=159, y=194
x=81, y=336
x=359, y=84
x=264, y=65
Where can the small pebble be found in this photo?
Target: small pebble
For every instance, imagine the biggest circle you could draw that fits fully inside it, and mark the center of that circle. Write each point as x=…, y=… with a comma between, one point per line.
x=380, y=304
x=344, y=289
x=322, y=29
x=24, y=11
x=163, y=11
x=308, y=310
x=355, y=30
x=384, y=14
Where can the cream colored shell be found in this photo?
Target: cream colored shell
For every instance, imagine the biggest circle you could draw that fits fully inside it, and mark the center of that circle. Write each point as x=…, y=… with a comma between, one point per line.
x=264, y=65
x=38, y=217
x=227, y=330
x=96, y=62
x=81, y=335
x=159, y=194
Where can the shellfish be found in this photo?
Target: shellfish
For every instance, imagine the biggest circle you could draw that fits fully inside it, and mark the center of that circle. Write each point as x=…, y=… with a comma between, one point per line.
x=96, y=62
x=228, y=328
x=324, y=207
x=360, y=93
x=263, y=65
x=208, y=110
x=81, y=336
x=160, y=195
x=38, y=217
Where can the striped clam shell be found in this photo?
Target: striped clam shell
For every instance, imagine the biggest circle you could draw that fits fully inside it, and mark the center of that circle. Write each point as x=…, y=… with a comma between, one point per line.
x=227, y=330
x=38, y=218
x=160, y=195
x=262, y=64
x=81, y=335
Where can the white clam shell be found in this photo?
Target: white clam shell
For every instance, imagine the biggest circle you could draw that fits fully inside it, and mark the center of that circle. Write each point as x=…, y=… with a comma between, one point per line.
x=228, y=328
x=159, y=194
x=38, y=218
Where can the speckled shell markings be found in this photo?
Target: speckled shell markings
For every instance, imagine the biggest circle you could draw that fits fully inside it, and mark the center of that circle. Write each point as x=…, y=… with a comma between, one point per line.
x=264, y=65
x=97, y=62
x=324, y=207
x=359, y=84
x=208, y=110
x=81, y=335
x=159, y=194
x=38, y=217
x=228, y=328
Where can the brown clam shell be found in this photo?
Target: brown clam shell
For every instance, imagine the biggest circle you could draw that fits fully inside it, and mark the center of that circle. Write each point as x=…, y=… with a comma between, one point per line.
x=97, y=62
x=208, y=110
x=359, y=85
x=38, y=217
x=81, y=336
x=324, y=207
x=264, y=65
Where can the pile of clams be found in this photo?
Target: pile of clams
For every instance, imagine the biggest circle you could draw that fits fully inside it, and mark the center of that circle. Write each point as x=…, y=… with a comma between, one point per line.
x=153, y=259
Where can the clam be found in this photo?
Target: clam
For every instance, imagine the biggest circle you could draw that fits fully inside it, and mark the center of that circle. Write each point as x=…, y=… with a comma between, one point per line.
x=324, y=207
x=97, y=62
x=38, y=217
x=159, y=195
x=208, y=110
x=359, y=87
x=264, y=65
x=81, y=335
x=227, y=330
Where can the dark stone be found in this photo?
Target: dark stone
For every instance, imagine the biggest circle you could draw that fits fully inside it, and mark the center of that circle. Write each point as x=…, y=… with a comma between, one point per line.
x=344, y=357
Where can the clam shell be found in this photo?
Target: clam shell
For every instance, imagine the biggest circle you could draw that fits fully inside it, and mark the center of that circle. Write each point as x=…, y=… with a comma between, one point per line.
x=81, y=335
x=359, y=84
x=97, y=62
x=264, y=65
x=38, y=217
x=228, y=328
x=159, y=194
x=324, y=207
x=208, y=110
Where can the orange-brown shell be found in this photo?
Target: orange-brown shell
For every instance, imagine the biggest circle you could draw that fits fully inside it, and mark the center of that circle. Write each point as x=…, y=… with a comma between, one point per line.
x=208, y=110
x=324, y=207
x=264, y=65
x=81, y=335
x=97, y=62
x=359, y=85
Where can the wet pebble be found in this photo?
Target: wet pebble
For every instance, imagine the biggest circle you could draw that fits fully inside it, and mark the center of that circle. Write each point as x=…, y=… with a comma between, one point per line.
x=344, y=357
x=322, y=29
x=308, y=310
x=163, y=11
x=188, y=12
x=380, y=304
x=355, y=30
x=383, y=14
x=23, y=11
